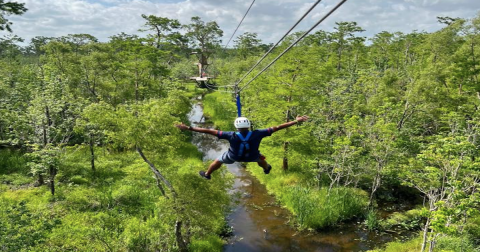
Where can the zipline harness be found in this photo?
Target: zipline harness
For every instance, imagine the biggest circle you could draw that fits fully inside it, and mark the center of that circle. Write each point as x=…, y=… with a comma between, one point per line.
x=244, y=144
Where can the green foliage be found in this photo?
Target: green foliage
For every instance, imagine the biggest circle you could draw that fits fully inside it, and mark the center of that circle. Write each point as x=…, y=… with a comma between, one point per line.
x=167, y=36
x=247, y=44
x=444, y=244
x=313, y=208
x=204, y=36
x=211, y=243
x=409, y=246
x=399, y=111
x=147, y=235
x=12, y=161
x=409, y=220
x=472, y=228
x=455, y=243
x=323, y=208
x=42, y=160
x=21, y=228
x=371, y=220
x=9, y=8
x=221, y=107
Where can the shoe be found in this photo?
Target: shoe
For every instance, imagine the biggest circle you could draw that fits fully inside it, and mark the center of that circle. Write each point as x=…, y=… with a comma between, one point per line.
x=267, y=171
x=203, y=175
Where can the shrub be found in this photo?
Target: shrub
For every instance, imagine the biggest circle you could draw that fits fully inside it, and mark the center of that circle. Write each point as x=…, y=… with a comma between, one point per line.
x=452, y=243
x=13, y=168
x=408, y=220
x=371, y=220
x=129, y=198
x=150, y=235
x=12, y=161
x=79, y=180
x=81, y=198
x=473, y=229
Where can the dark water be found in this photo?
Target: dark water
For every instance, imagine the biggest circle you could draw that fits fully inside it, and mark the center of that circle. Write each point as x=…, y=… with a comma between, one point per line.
x=260, y=224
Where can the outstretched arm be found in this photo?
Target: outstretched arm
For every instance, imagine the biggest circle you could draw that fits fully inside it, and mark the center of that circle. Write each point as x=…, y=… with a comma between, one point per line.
x=197, y=129
x=288, y=124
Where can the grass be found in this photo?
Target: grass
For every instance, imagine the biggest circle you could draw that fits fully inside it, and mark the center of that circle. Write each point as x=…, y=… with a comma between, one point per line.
x=444, y=244
x=313, y=208
x=212, y=243
x=371, y=220
x=12, y=161
x=322, y=208
x=413, y=245
x=13, y=169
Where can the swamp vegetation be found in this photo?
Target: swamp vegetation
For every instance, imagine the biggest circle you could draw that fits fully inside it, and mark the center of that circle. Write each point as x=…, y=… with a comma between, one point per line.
x=90, y=160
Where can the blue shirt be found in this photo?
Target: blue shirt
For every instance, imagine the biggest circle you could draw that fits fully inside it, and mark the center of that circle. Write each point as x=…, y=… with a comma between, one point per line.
x=253, y=141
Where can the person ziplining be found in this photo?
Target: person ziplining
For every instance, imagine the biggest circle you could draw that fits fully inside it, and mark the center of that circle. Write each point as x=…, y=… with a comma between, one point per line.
x=244, y=144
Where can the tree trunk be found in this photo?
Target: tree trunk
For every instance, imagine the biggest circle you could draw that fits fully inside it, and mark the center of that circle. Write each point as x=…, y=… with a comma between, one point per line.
x=92, y=153
x=285, y=144
x=53, y=172
x=475, y=79
x=136, y=85
x=425, y=234
x=375, y=185
x=158, y=175
x=45, y=141
x=40, y=181
x=432, y=245
x=182, y=246
x=285, y=156
x=339, y=64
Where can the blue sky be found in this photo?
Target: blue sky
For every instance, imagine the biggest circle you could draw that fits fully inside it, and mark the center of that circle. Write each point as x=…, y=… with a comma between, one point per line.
x=269, y=18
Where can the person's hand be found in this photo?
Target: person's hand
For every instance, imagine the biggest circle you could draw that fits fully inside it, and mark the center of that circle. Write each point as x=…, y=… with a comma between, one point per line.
x=302, y=118
x=181, y=126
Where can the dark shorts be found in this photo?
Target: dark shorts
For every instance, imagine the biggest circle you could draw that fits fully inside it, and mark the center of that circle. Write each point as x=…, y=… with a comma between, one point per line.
x=227, y=159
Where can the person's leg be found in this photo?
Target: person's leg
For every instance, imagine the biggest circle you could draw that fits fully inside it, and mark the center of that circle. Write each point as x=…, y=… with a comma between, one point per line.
x=215, y=165
x=263, y=164
x=266, y=167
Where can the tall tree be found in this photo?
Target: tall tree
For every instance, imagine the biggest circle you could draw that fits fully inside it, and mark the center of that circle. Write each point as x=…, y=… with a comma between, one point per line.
x=9, y=8
x=247, y=44
x=344, y=39
x=205, y=37
x=166, y=33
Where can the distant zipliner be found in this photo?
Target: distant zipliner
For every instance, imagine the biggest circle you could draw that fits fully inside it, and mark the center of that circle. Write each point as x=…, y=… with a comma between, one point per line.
x=203, y=79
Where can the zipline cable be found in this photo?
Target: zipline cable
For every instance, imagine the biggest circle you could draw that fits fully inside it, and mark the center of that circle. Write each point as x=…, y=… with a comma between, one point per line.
x=280, y=40
x=239, y=24
x=294, y=43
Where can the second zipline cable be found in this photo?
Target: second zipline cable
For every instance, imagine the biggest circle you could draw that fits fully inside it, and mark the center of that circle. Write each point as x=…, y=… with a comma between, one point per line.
x=294, y=43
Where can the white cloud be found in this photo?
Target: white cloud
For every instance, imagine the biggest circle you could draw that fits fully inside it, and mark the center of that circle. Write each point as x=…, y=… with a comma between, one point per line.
x=269, y=18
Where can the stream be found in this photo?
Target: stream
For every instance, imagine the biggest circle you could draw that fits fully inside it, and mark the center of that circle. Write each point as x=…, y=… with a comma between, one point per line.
x=260, y=224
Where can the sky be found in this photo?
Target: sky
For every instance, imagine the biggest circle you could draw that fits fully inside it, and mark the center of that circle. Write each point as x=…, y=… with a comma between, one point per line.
x=270, y=19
